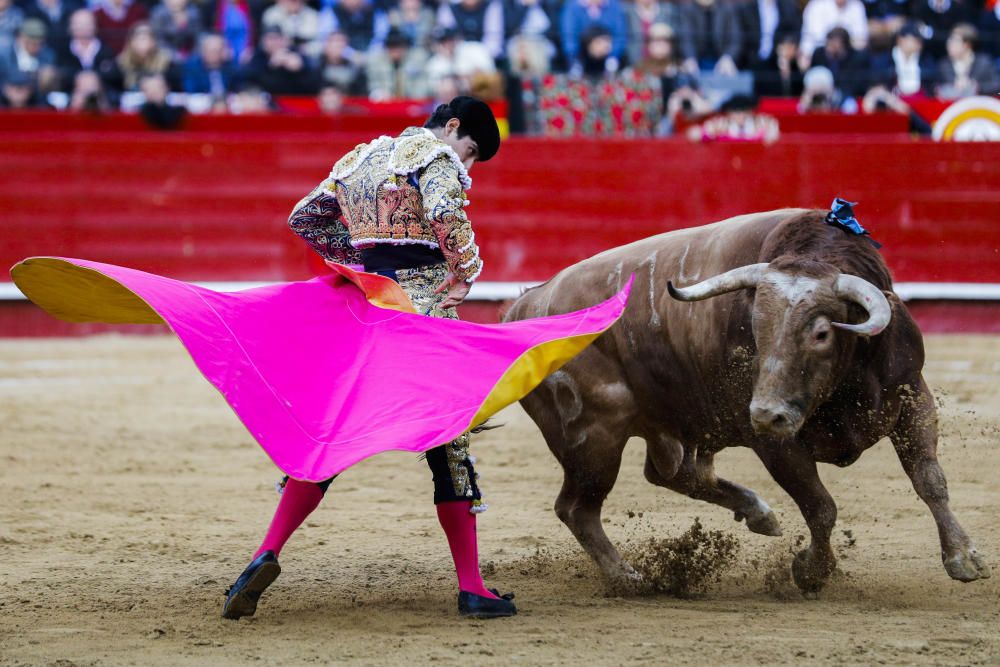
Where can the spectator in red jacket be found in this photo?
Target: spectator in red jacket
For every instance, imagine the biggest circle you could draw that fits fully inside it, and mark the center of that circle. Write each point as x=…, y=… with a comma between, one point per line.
x=115, y=18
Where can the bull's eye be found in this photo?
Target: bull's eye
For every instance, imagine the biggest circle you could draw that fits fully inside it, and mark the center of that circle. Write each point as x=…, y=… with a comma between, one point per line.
x=822, y=335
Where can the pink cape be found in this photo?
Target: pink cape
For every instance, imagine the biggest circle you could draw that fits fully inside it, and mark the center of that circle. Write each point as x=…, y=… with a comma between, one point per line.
x=320, y=375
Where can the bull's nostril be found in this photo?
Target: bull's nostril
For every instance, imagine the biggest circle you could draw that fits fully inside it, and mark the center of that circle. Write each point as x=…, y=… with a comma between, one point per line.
x=778, y=420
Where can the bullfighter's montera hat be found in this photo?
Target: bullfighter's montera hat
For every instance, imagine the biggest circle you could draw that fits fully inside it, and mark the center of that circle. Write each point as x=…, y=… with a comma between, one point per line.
x=477, y=121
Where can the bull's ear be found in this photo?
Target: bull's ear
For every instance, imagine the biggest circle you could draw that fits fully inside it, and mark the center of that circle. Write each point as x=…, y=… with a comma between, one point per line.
x=860, y=291
x=730, y=281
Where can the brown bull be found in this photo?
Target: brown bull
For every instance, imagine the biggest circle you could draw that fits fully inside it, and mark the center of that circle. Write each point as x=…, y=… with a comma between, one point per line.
x=800, y=351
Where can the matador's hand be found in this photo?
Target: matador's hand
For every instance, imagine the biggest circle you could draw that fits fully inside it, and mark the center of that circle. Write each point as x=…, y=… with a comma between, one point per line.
x=457, y=291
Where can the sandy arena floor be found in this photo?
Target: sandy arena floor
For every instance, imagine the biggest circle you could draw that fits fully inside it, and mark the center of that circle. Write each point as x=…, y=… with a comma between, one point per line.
x=131, y=498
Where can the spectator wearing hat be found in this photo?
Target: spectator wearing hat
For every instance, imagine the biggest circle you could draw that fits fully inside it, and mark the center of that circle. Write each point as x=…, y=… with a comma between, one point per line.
x=414, y=19
x=763, y=21
x=779, y=75
x=177, y=25
x=964, y=72
x=364, y=24
x=18, y=91
x=55, y=14
x=298, y=22
x=29, y=55
x=580, y=15
x=278, y=68
x=341, y=66
x=711, y=35
x=84, y=51
x=476, y=21
x=456, y=57
x=850, y=67
x=822, y=16
x=907, y=64
x=397, y=70
x=114, y=20
x=11, y=17
x=210, y=70
x=936, y=18
x=642, y=16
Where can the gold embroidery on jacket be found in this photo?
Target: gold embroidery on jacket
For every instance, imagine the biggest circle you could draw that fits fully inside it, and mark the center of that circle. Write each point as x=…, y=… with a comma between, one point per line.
x=403, y=190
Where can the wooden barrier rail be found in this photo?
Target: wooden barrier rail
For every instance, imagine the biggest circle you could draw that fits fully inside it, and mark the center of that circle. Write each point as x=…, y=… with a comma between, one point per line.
x=211, y=204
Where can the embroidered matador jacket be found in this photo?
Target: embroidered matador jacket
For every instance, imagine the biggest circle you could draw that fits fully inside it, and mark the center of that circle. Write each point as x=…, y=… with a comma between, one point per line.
x=400, y=190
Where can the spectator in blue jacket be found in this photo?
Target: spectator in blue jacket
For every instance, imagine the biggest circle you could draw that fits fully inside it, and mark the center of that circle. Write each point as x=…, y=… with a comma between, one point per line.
x=11, y=18
x=580, y=15
x=211, y=69
x=28, y=55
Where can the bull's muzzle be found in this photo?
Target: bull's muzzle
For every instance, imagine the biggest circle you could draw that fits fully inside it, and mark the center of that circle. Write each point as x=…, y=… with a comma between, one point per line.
x=774, y=418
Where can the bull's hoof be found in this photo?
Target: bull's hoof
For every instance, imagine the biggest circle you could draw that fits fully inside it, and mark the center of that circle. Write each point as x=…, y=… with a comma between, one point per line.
x=624, y=580
x=810, y=576
x=967, y=566
x=763, y=523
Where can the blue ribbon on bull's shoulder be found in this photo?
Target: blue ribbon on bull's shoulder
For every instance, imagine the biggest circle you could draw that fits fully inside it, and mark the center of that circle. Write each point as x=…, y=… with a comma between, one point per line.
x=841, y=216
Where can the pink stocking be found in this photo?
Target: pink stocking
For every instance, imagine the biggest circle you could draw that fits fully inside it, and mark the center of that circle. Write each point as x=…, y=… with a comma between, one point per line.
x=460, y=526
x=298, y=500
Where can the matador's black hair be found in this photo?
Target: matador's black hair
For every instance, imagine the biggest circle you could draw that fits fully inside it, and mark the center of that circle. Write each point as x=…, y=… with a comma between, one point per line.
x=475, y=120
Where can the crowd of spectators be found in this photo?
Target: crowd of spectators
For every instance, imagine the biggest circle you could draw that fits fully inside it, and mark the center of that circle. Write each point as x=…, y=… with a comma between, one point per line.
x=242, y=55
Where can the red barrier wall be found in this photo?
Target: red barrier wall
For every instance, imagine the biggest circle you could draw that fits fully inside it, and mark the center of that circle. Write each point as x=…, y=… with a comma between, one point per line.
x=211, y=205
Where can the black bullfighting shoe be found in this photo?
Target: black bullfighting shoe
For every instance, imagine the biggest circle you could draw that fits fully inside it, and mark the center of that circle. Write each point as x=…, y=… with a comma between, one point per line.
x=242, y=597
x=471, y=605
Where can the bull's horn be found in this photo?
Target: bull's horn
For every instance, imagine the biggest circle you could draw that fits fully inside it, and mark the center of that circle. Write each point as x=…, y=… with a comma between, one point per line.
x=730, y=281
x=869, y=297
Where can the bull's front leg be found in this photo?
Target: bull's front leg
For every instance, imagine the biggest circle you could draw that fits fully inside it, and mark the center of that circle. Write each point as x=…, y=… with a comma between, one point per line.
x=915, y=439
x=588, y=440
x=794, y=469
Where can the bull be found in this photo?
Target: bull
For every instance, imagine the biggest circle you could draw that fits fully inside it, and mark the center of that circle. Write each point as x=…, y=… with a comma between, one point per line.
x=786, y=337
